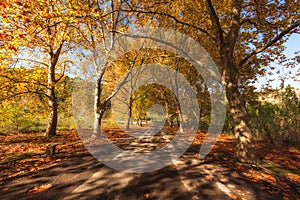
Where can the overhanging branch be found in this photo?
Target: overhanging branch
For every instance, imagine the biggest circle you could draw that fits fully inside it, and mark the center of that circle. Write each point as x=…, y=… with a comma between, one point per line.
x=273, y=41
x=215, y=20
x=172, y=17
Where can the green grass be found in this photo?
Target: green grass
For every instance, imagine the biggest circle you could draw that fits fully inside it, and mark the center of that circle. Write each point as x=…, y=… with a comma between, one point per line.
x=4, y=132
x=22, y=155
x=278, y=168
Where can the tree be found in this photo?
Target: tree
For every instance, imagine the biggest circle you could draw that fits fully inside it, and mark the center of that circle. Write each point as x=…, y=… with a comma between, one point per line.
x=23, y=99
x=39, y=34
x=241, y=36
x=289, y=123
x=123, y=67
x=274, y=116
x=98, y=31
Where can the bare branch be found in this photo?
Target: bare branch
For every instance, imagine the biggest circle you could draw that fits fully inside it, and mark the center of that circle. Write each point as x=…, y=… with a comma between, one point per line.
x=31, y=60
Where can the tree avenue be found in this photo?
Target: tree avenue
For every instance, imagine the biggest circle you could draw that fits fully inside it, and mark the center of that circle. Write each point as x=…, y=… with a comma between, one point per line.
x=239, y=37
x=242, y=37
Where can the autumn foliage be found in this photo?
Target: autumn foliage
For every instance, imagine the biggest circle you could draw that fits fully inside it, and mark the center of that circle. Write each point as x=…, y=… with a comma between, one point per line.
x=46, y=47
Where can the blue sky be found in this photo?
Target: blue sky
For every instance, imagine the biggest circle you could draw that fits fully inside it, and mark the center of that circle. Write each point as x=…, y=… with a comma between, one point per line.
x=292, y=46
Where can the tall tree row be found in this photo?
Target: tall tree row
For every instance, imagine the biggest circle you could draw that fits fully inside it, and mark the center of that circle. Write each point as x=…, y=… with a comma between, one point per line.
x=241, y=36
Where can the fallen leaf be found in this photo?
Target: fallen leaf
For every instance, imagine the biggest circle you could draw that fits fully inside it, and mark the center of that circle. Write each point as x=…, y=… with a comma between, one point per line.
x=32, y=169
x=147, y=195
x=233, y=196
x=39, y=188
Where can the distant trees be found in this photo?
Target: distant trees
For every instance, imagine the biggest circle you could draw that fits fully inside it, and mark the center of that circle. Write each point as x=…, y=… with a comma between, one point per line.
x=276, y=122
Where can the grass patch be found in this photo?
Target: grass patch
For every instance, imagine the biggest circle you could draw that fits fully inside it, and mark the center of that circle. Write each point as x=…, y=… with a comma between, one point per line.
x=23, y=155
x=4, y=133
x=278, y=168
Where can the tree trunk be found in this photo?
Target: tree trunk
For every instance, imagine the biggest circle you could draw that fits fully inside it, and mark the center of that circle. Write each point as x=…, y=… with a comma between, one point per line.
x=139, y=121
x=180, y=120
x=53, y=104
x=53, y=117
x=98, y=119
x=168, y=119
x=245, y=151
x=99, y=108
x=129, y=113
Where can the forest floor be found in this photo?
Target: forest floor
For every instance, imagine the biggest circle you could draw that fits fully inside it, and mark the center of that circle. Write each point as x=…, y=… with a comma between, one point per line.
x=23, y=161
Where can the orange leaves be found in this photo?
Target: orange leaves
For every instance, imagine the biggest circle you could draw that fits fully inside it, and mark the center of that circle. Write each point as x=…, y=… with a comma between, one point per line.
x=12, y=48
x=19, y=3
x=46, y=14
x=31, y=147
x=22, y=36
x=33, y=168
x=147, y=195
x=234, y=196
x=173, y=166
x=257, y=176
x=294, y=177
x=2, y=4
x=48, y=159
x=39, y=188
x=23, y=19
x=283, y=157
x=5, y=189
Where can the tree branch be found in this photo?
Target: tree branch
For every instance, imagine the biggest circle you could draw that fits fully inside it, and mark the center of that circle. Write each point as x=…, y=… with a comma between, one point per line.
x=273, y=41
x=63, y=72
x=233, y=33
x=31, y=60
x=172, y=17
x=215, y=20
x=55, y=56
x=22, y=93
